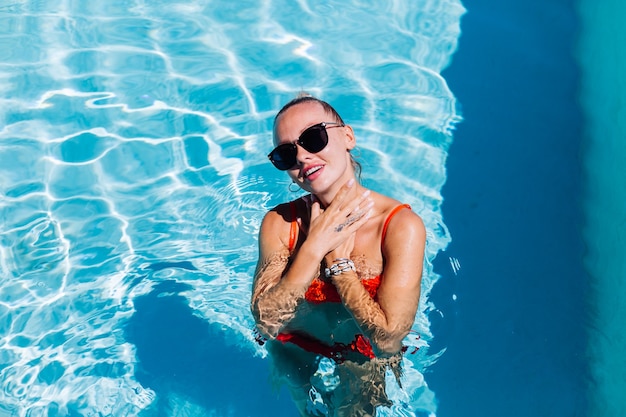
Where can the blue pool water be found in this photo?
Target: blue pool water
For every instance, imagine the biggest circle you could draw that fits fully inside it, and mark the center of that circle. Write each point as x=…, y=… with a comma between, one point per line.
x=534, y=201
x=513, y=205
x=133, y=178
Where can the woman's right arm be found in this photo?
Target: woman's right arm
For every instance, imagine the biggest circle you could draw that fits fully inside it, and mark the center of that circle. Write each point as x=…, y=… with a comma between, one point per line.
x=279, y=286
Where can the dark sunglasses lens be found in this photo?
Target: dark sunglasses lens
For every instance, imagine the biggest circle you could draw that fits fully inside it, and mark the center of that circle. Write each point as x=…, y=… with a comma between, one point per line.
x=314, y=139
x=284, y=156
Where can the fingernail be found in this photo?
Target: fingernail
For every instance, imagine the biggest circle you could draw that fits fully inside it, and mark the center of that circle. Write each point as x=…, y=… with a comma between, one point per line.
x=366, y=193
x=350, y=182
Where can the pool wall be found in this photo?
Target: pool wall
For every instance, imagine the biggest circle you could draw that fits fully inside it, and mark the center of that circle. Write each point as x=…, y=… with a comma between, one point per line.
x=515, y=314
x=603, y=96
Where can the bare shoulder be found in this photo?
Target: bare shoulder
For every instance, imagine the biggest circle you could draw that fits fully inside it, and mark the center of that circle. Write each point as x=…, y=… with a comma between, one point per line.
x=404, y=228
x=403, y=251
x=406, y=220
x=276, y=216
x=401, y=213
x=275, y=228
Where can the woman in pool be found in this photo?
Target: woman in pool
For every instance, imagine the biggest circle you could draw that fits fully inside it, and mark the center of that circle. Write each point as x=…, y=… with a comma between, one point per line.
x=339, y=270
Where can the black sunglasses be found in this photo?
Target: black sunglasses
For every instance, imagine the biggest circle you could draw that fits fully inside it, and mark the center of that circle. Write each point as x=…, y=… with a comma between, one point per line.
x=313, y=139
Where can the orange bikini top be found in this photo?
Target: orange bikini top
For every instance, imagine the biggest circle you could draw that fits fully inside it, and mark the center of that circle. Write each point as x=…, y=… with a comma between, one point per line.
x=321, y=291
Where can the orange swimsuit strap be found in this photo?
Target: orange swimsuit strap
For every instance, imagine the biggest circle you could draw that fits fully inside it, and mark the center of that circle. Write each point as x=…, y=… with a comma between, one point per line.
x=388, y=219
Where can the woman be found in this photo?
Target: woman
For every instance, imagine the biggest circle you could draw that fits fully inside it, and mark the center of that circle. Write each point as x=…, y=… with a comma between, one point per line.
x=339, y=270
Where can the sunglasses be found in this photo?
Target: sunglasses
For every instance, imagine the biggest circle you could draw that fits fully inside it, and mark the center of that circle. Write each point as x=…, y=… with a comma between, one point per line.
x=313, y=140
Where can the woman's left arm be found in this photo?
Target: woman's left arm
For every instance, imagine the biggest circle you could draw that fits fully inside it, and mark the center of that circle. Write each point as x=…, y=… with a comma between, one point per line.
x=388, y=319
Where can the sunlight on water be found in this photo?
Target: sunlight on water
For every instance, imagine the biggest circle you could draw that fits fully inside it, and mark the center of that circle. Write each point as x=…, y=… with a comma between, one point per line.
x=133, y=154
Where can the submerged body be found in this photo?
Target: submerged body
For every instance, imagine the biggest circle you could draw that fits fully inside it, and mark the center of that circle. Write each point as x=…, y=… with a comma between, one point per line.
x=339, y=270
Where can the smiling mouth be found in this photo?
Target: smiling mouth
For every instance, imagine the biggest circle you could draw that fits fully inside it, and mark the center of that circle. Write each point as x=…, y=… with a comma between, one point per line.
x=312, y=170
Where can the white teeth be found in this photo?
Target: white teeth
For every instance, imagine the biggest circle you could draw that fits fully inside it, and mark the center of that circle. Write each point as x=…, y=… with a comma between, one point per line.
x=312, y=170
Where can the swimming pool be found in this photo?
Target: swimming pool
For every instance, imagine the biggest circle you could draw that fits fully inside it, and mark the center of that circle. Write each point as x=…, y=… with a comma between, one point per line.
x=133, y=178
x=534, y=202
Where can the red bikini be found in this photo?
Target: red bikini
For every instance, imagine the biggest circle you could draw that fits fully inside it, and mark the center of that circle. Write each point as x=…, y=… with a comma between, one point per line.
x=321, y=291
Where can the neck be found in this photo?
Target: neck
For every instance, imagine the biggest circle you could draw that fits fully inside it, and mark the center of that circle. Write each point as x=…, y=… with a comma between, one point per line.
x=327, y=197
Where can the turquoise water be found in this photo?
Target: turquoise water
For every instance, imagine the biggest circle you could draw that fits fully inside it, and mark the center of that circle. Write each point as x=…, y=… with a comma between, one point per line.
x=602, y=94
x=133, y=179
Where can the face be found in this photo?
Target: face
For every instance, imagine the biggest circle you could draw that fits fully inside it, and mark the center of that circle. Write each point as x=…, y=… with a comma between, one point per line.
x=323, y=171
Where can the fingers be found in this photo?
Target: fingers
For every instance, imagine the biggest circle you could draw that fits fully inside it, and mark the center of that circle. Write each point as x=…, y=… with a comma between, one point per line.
x=356, y=218
x=358, y=207
x=315, y=207
x=357, y=214
x=346, y=200
x=335, y=224
x=349, y=211
x=342, y=194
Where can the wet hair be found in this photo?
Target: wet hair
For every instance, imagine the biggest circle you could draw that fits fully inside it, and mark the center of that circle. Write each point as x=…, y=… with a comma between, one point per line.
x=307, y=98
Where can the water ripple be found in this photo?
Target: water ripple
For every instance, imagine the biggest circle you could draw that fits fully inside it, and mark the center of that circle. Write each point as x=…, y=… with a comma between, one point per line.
x=133, y=153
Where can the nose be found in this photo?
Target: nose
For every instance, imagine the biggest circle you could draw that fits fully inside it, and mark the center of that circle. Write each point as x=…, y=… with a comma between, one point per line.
x=302, y=155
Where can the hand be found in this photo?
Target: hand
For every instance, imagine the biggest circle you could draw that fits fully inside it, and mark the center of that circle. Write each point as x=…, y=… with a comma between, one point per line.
x=344, y=250
x=333, y=228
